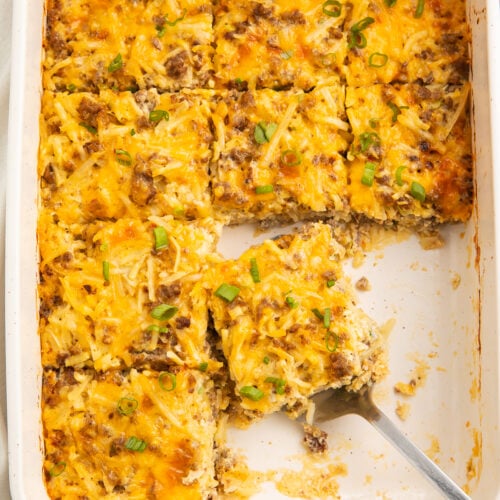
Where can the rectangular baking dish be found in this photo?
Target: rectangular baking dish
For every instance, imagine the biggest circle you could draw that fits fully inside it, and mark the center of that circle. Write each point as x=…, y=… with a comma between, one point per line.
x=444, y=302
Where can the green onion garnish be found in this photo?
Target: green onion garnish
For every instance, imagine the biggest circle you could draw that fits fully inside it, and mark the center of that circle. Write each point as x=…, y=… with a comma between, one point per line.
x=264, y=131
x=373, y=122
x=366, y=139
x=88, y=127
x=332, y=8
x=57, y=469
x=420, y=9
x=251, y=392
x=160, y=30
x=330, y=283
x=105, y=270
x=203, y=366
x=71, y=87
x=132, y=132
x=399, y=175
x=127, y=406
x=265, y=189
x=368, y=174
x=123, y=157
x=161, y=238
x=163, y=312
x=396, y=110
x=157, y=115
x=417, y=191
x=317, y=313
x=157, y=328
x=327, y=341
x=327, y=317
x=390, y=3
x=291, y=158
x=377, y=60
x=116, y=64
x=266, y=360
x=279, y=384
x=135, y=444
x=356, y=39
x=291, y=302
x=172, y=381
x=254, y=270
x=227, y=292
x=173, y=23
x=287, y=54
x=363, y=24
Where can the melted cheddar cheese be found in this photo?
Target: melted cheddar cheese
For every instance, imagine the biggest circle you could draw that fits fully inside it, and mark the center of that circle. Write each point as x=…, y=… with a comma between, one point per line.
x=279, y=344
x=92, y=45
x=104, y=321
x=91, y=422
x=300, y=163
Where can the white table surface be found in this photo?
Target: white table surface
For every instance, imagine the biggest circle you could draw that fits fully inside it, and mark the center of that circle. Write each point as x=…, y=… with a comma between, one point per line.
x=5, y=32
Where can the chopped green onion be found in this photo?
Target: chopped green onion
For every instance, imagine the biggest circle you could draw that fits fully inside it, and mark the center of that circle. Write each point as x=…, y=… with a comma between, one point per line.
x=291, y=302
x=330, y=283
x=377, y=60
x=417, y=191
x=238, y=81
x=390, y=3
x=172, y=378
x=173, y=23
x=135, y=444
x=227, y=292
x=123, y=157
x=116, y=64
x=356, y=39
x=291, y=158
x=366, y=139
x=266, y=360
x=287, y=54
x=90, y=128
x=264, y=131
x=399, y=175
x=420, y=8
x=265, y=189
x=163, y=312
x=71, y=87
x=127, y=406
x=57, y=469
x=396, y=110
x=157, y=328
x=161, y=238
x=317, y=313
x=157, y=115
x=363, y=24
x=373, y=122
x=132, y=132
x=254, y=270
x=279, y=384
x=327, y=341
x=160, y=31
x=332, y=8
x=179, y=211
x=368, y=174
x=327, y=317
x=203, y=366
x=105, y=270
x=251, y=392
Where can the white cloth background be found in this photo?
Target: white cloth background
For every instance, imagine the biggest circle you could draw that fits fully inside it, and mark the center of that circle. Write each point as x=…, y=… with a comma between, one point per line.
x=5, y=33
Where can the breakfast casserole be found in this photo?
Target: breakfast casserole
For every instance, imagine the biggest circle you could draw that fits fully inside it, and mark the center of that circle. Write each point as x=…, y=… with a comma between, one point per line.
x=289, y=325
x=161, y=122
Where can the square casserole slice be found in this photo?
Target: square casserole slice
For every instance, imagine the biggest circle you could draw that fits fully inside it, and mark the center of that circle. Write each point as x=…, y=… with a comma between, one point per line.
x=92, y=45
x=270, y=44
x=110, y=299
x=277, y=155
x=289, y=325
x=406, y=42
x=114, y=155
x=411, y=159
x=129, y=434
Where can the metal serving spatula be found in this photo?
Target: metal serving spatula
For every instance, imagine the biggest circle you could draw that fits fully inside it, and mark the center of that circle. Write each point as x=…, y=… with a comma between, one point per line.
x=334, y=403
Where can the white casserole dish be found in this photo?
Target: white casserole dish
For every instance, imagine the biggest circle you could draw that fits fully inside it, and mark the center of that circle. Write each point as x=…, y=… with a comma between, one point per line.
x=454, y=331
